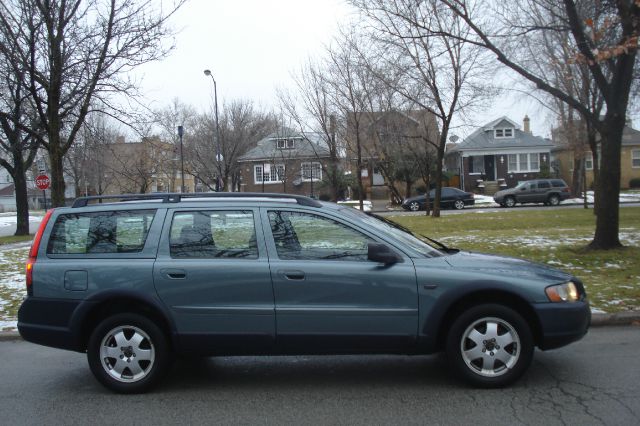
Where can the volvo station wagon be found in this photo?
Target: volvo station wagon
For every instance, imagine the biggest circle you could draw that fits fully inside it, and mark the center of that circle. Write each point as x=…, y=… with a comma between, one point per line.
x=134, y=281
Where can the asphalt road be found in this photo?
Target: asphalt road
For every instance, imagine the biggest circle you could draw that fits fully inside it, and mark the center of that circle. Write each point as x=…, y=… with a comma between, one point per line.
x=592, y=382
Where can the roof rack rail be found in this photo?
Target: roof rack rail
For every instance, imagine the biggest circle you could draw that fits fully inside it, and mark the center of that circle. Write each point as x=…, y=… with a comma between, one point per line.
x=175, y=197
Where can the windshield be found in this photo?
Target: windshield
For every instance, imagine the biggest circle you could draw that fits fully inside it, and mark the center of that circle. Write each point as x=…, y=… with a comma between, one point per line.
x=405, y=238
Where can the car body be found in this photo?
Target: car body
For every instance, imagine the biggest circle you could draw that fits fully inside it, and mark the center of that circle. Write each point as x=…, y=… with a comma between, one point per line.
x=449, y=198
x=547, y=191
x=136, y=281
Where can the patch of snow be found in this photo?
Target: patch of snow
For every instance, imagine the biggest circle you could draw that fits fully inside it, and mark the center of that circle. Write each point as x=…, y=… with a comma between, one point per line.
x=612, y=265
x=11, y=220
x=8, y=325
x=597, y=311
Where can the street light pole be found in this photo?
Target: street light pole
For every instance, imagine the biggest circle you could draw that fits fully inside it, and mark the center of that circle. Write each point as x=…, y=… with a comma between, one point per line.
x=218, y=154
x=180, y=133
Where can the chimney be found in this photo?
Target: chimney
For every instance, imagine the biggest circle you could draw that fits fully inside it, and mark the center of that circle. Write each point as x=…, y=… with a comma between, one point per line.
x=527, y=122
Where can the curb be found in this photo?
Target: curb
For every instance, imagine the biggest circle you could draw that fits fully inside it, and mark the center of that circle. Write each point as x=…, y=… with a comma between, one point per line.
x=597, y=320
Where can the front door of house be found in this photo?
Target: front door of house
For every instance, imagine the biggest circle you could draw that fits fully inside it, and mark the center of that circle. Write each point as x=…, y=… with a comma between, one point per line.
x=489, y=167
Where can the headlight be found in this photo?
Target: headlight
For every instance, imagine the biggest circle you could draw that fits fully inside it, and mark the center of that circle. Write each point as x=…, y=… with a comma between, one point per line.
x=567, y=292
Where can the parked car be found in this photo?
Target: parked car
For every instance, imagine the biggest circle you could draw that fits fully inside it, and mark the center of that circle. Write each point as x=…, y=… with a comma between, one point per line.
x=548, y=191
x=136, y=281
x=450, y=197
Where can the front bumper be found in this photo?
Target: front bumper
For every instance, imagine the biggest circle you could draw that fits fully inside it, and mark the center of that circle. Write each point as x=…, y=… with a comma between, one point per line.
x=562, y=323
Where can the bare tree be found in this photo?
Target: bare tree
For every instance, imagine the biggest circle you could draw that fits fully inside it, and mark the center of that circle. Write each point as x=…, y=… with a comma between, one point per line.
x=313, y=108
x=77, y=51
x=436, y=72
x=17, y=147
x=603, y=36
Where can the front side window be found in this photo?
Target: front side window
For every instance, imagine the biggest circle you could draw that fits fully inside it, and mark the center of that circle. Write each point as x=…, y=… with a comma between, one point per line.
x=303, y=236
x=213, y=234
x=311, y=171
x=268, y=173
x=524, y=163
x=476, y=164
x=101, y=232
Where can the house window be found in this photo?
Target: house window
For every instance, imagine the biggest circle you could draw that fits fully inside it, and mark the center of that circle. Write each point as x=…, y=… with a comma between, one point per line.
x=504, y=133
x=524, y=163
x=268, y=173
x=285, y=143
x=635, y=158
x=311, y=171
x=588, y=161
x=476, y=164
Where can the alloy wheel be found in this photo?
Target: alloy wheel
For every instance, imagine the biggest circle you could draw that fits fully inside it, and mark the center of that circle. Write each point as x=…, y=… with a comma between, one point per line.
x=127, y=354
x=490, y=347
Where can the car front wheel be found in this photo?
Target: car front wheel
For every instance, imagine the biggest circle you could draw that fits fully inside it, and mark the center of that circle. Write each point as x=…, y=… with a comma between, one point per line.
x=414, y=206
x=509, y=202
x=490, y=346
x=128, y=353
x=459, y=204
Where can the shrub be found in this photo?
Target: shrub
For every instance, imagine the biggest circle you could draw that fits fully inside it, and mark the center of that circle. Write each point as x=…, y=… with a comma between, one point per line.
x=634, y=183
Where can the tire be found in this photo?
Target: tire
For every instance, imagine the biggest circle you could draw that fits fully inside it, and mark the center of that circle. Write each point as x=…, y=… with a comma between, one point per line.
x=458, y=204
x=490, y=346
x=414, y=206
x=553, y=200
x=510, y=202
x=139, y=349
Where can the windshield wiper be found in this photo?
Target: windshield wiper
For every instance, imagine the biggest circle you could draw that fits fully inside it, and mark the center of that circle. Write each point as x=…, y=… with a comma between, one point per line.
x=415, y=234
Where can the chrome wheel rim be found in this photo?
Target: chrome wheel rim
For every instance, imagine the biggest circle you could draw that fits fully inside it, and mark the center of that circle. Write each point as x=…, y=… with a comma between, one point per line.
x=127, y=354
x=554, y=201
x=459, y=204
x=490, y=347
x=510, y=202
x=414, y=206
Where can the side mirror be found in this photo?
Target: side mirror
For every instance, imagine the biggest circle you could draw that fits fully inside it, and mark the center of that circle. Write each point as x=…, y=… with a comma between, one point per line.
x=381, y=253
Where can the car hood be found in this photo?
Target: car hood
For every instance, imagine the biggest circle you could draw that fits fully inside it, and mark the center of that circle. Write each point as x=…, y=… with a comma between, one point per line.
x=504, y=192
x=416, y=198
x=505, y=267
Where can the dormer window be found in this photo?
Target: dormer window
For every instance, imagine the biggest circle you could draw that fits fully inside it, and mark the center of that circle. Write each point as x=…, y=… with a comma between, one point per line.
x=285, y=143
x=504, y=133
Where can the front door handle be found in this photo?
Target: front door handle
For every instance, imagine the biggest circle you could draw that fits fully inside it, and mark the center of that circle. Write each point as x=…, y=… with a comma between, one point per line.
x=292, y=275
x=174, y=274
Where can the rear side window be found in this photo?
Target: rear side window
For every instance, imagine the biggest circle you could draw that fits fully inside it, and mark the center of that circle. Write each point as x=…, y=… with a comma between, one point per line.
x=558, y=183
x=543, y=184
x=101, y=232
x=213, y=234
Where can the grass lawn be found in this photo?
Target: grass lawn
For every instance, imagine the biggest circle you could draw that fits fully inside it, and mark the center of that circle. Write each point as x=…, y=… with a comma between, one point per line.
x=15, y=239
x=554, y=237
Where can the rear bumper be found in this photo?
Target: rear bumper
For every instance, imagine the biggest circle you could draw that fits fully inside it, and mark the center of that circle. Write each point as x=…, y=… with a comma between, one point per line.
x=562, y=323
x=46, y=322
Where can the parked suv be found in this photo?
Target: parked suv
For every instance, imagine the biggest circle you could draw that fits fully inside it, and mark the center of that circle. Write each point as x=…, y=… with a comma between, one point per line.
x=548, y=191
x=136, y=281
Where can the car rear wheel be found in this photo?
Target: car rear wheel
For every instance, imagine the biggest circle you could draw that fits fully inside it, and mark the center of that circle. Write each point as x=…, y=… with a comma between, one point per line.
x=459, y=204
x=414, y=206
x=509, y=201
x=128, y=353
x=554, y=200
x=490, y=346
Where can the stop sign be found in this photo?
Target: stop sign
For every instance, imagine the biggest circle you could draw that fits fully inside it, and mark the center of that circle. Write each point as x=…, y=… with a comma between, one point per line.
x=42, y=182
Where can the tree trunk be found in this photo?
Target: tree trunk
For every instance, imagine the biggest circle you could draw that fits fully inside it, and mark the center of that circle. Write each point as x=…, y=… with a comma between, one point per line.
x=22, y=200
x=440, y=156
x=57, y=174
x=608, y=185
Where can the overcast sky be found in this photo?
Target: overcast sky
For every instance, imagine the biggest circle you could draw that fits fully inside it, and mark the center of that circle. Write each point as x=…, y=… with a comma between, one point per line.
x=252, y=46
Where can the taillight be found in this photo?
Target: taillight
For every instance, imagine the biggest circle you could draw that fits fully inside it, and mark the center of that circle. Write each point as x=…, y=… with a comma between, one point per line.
x=565, y=189
x=33, y=252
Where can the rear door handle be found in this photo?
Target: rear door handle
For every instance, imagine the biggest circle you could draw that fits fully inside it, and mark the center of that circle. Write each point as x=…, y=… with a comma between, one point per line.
x=174, y=274
x=292, y=275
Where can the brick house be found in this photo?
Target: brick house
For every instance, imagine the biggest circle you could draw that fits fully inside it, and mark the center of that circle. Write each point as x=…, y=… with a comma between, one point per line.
x=286, y=161
x=499, y=155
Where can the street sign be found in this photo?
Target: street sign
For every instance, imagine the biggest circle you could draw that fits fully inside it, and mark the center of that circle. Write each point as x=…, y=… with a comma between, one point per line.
x=42, y=182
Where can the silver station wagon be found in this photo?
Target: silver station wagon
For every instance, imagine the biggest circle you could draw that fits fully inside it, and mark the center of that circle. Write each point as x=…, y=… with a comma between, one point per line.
x=135, y=280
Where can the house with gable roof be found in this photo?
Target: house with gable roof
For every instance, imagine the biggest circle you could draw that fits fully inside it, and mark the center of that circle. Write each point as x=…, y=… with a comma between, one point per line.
x=285, y=161
x=499, y=155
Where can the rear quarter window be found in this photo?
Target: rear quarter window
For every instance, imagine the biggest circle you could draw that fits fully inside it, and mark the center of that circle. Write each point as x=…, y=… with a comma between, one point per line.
x=100, y=232
x=557, y=183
